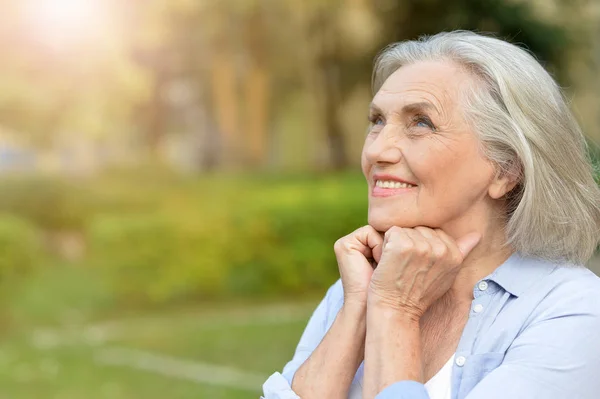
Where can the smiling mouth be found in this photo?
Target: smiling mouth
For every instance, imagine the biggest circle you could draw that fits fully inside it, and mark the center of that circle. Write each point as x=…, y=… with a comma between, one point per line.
x=390, y=188
x=390, y=184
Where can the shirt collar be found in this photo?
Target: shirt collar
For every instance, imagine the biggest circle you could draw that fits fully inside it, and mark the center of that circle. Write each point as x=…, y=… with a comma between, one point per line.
x=518, y=273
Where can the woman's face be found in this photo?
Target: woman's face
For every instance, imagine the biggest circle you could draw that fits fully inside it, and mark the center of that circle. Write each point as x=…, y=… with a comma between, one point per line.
x=419, y=136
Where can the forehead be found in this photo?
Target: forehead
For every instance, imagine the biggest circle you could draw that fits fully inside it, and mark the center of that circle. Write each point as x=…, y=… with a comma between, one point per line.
x=437, y=82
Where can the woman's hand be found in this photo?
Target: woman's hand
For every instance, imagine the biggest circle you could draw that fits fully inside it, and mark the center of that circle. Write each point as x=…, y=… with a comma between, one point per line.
x=329, y=370
x=417, y=266
x=353, y=253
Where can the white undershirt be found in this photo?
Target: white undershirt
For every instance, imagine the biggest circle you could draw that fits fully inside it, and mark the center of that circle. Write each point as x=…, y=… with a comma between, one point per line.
x=438, y=387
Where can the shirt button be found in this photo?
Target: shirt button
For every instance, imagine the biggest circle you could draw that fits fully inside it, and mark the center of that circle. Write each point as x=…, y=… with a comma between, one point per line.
x=460, y=361
x=483, y=285
x=478, y=308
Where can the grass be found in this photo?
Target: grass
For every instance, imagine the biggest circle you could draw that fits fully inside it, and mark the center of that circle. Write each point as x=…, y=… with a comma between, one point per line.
x=258, y=339
x=68, y=302
x=255, y=347
x=70, y=373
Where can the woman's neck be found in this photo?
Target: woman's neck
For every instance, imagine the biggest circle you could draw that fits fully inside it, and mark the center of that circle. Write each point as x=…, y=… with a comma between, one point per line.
x=486, y=257
x=490, y=253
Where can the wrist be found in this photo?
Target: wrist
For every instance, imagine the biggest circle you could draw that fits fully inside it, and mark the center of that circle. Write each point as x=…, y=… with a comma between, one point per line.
x=353, y=318
x=354, y=311
x=380, y=309
x=392, y=346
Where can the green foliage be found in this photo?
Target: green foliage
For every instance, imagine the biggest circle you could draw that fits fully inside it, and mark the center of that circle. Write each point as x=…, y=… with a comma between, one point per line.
x=244, y=236
x=286, y=246
x=49, y=203
x=19, y=246
x=152, y=258
x=513, y=21
x=174, y=239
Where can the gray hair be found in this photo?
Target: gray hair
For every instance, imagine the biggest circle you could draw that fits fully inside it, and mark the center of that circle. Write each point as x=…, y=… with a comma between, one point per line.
x=527, y=130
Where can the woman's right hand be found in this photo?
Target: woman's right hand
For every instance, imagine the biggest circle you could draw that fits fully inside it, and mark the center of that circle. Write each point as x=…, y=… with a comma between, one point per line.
x=330, y=368
x=353, y=253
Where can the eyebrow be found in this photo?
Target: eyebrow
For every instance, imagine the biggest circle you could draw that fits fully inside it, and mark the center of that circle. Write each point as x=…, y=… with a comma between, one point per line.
x=410, y=108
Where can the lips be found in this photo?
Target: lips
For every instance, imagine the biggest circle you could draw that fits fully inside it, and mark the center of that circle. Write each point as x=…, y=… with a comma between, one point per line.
x=391, y=184
x=390, y=181
x=388, y=185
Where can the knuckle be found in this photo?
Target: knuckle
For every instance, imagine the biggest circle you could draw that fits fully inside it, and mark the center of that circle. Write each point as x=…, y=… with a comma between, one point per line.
x=393, y=231
x=423, y=248
x=363, y=229
x=440, y=233
x=368, y=228
x=406, y=245
x=426, y=231
x=440, y=250
x=339, y=245
x=457, y=258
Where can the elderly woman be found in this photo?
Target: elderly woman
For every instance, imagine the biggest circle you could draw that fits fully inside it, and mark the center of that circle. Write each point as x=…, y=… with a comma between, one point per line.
x=468, y=281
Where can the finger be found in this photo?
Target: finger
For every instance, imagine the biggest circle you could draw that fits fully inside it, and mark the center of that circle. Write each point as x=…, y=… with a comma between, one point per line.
x=375, y=242
x=439, y=248
x=467, y=242
x=372, y=241
x=423, y=245
x=396, y=240
x=455, y=253
x=461, y=247
x=394, y=237
x=425, y=231
x=352, y=242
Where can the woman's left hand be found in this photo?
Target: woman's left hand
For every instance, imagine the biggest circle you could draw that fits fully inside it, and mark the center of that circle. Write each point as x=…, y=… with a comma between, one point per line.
x=418, y=265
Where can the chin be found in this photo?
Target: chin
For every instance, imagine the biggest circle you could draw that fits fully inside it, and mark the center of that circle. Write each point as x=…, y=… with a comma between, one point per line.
x=383, y=223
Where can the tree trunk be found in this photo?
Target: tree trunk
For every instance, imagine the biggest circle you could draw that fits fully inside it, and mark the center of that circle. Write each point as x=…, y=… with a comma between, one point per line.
x=156, y=116
x=257, y=114
x=257, y=90
x=334, y=130
x=225, y=100
x=329, y=64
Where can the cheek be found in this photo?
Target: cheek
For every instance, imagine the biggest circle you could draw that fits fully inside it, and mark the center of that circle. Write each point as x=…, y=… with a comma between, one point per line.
x=453, y=175
x=429, y=163
x=364, y=166
x=364, y=163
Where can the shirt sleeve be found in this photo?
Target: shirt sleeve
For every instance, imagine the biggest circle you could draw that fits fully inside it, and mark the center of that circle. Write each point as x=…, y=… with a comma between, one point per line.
x=557, y=356
x=278, y=385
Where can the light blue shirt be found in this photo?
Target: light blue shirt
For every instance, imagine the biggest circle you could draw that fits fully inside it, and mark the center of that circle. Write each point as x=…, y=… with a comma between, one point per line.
x=533, y=332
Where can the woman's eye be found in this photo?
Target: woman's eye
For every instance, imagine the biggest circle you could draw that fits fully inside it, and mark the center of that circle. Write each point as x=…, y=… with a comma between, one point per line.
x=376, y=120
x=423, y=121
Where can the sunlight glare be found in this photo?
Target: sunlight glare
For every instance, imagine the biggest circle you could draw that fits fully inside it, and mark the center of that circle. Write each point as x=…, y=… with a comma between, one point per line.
x=64, y=20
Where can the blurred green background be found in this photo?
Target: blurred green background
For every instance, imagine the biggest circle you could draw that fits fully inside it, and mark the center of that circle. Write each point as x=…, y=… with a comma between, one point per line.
x=174, y=173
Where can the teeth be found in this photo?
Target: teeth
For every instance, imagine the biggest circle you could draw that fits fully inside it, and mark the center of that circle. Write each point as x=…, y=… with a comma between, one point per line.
x=392, y=184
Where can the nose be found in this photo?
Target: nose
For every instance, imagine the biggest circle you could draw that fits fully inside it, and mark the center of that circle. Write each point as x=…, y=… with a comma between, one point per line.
x=384, y=148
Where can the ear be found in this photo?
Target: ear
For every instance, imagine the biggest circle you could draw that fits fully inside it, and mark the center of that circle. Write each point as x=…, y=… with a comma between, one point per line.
x=501, y=184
